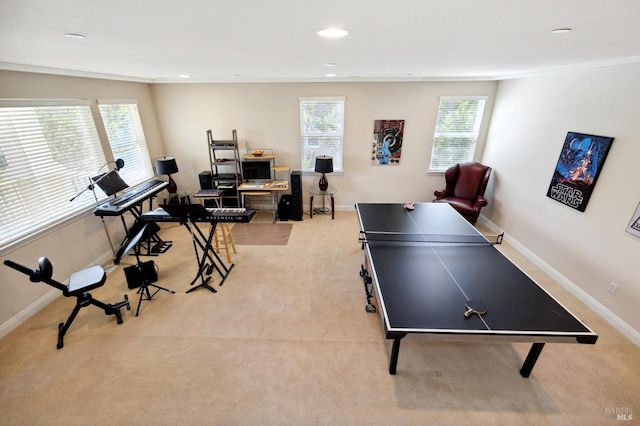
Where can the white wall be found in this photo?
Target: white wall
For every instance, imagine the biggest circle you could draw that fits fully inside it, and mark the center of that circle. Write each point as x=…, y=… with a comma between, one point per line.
x=530, y=121
x=267, y=116
x=81, y=242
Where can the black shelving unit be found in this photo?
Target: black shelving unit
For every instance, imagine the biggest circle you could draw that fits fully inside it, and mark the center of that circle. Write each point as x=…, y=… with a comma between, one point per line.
x=225, y=167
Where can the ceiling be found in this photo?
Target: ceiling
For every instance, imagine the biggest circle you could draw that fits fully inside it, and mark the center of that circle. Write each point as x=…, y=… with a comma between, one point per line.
x=276, y=40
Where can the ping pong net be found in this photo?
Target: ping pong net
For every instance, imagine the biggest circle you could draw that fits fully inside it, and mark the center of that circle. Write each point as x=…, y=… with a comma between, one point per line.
x=462, y=239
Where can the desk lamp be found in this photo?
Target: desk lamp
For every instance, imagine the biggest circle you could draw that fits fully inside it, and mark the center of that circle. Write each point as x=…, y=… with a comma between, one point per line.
x=324, y=164
x=168, y=166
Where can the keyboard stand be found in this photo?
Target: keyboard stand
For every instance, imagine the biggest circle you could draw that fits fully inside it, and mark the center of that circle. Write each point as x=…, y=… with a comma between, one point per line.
x=204, y=242
x=147, y=248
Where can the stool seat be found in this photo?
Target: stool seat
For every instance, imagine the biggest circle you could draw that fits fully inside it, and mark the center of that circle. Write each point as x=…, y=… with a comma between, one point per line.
x=86, y=280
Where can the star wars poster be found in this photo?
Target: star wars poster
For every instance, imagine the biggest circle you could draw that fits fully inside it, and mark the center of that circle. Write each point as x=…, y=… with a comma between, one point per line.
x=579, y=165
x=387, y=142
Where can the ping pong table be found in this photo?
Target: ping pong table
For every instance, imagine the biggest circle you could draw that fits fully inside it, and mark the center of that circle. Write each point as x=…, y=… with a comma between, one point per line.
x=427, y=267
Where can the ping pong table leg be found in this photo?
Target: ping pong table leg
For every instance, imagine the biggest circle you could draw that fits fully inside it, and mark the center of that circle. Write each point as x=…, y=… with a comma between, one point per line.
x=531, y=359
x=394, y=355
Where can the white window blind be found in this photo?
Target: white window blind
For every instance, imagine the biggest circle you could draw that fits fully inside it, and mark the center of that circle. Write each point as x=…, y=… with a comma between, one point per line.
x=321, y=130
x=48, y=150
x=457, y=127
x=124, y=130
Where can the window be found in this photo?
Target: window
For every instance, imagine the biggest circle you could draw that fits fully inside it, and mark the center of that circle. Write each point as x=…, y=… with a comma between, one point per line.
x=457, y=128
x=48, y=150
x=126, y=138
x=321, y=130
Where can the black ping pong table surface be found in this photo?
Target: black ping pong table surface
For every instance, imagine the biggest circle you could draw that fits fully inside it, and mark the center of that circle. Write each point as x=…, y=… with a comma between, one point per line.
x=423, y=265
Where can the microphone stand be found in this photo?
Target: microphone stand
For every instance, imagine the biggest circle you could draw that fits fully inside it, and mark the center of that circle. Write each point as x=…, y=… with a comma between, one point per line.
x=92, y=186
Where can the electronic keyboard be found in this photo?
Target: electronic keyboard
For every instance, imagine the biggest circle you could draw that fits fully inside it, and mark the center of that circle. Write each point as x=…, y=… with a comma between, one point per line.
x=129, y=199
x=222, y=214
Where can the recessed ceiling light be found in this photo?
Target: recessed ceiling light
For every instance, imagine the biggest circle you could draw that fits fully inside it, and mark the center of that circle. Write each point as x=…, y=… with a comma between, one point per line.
x=184, y=76
x=330, y=64
x=330, y=75
x=561, y=30
x=333, y=32
x=73, y=35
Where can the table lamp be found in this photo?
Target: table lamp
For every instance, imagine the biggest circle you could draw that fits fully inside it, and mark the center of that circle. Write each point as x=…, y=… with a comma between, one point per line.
x=168, y=166
x=324, y=164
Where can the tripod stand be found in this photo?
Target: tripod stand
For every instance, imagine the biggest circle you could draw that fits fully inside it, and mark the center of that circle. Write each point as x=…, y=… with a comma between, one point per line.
x=146, y=279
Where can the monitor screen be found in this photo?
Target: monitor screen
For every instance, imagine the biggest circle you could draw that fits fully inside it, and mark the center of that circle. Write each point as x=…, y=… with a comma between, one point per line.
x=110, y=183
x=256, y=170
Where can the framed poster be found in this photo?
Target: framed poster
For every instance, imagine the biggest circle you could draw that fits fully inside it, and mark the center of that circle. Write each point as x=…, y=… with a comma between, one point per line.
x=634, y=223
x=387, y=142
x=578, y=168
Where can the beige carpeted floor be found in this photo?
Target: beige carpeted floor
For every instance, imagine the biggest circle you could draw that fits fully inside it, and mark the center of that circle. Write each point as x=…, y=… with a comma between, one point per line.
x=264, y=234
x=287, y=341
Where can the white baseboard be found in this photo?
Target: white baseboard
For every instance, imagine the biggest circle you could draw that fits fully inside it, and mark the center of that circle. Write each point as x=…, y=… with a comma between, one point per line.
x=28, y=312
x=624, y=328
x=10, y=325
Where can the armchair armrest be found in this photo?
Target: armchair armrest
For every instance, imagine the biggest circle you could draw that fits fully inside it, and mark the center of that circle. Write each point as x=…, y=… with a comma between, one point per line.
x=441, y=193
x=480, y=202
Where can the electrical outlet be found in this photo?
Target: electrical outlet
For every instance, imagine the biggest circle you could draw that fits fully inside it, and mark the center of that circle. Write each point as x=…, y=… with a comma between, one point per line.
x=612, y=287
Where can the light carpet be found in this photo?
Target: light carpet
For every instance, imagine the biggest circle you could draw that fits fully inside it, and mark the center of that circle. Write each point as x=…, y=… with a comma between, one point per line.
x=286, y=341
x=261, y=234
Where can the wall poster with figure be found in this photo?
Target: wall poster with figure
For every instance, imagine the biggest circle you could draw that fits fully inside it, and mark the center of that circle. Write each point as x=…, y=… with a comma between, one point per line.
x=634, y=223
x=578, y=168
x=387, y=142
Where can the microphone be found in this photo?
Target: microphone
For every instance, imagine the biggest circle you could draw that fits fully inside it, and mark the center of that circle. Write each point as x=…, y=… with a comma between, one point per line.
x=119, y=164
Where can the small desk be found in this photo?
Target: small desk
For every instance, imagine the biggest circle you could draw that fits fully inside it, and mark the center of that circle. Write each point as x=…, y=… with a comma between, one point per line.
x=269, y=188
x=314, y=190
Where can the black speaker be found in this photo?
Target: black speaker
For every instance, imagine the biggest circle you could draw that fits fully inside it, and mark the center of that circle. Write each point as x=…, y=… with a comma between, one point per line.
x=296, y=195
x=205, y=180
x=137, y=275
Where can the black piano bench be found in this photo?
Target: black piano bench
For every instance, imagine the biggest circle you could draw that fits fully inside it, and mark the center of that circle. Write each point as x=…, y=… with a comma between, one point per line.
x=80, y=283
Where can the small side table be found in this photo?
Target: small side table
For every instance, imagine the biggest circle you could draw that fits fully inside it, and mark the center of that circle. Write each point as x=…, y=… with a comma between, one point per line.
x=330, y=192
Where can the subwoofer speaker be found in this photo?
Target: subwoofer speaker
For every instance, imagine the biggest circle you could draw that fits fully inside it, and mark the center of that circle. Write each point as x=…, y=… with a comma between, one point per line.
x=296, y=195
x=205, y=180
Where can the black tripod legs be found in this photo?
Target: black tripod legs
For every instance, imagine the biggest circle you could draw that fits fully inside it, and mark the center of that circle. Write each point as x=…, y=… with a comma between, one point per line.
x=145, y=294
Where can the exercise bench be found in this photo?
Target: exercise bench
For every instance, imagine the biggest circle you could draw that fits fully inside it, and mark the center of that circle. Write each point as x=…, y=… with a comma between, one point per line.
x=80, y=283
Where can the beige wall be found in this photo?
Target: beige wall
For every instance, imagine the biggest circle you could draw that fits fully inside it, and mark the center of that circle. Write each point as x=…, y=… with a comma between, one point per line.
x=267, y=115
x=587, y=250
x=78, y=243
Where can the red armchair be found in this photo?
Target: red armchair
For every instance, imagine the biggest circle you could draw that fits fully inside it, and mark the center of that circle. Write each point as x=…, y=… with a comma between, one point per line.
x=465, y=186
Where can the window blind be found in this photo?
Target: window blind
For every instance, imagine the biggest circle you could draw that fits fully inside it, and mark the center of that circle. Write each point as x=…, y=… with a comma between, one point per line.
x=456, y=133
x=47, y=154
x=126, y=137
x=321, y=130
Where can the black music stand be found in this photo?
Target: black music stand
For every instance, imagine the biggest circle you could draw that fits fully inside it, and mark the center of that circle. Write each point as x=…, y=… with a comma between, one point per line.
x=145, y=294
x=188, y=215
